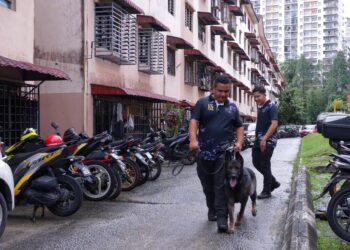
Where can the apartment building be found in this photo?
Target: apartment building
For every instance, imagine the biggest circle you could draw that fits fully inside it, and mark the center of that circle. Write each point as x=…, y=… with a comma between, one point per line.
x=334, y=30
x=125, y=60
x=314, y=28
x=347, y=37
x=291, y=29
x=273, y=14
x=311, y=29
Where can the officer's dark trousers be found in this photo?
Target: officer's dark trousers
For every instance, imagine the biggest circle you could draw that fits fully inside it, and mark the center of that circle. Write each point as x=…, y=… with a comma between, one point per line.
x=262, y=162
x=212, y=177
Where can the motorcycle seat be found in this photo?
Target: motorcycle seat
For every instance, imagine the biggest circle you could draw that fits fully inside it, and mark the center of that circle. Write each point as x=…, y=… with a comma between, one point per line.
x=168, y=141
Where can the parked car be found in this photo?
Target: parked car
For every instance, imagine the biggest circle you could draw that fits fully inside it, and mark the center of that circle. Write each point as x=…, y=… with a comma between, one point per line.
x=307, y=129
x=287, y=131
x=7, y=201
x=249, y=132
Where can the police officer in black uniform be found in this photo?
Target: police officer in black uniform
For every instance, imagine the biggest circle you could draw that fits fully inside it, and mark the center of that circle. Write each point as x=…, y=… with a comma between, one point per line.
x=266, y=140
x=217, y=119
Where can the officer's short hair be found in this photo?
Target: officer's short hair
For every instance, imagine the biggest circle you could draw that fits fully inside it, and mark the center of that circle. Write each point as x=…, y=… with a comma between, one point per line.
x=259, y=88
x=222, y=79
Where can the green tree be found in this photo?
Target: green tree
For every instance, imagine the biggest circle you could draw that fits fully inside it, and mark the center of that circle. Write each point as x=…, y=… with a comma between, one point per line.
x=289, y=69
x=291, y=107
x=337, y=80
x=306, y=75
x=316, y=102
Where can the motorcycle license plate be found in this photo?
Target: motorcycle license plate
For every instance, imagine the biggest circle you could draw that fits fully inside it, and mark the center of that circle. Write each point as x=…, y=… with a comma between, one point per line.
x=149, y=155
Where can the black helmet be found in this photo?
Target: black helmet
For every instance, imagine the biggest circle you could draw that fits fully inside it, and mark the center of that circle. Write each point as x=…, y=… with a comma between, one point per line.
x=70, y=135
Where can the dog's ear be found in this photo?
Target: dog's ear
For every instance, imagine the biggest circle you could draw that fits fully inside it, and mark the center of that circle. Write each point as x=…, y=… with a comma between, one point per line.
x=227, y=158
x=239, y=158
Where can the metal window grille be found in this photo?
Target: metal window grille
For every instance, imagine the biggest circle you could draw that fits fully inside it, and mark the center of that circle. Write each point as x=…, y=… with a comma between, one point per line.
x=171, y=61
x=171, y=6
x=212, y=41
x=115, y=33
x=215, y=8
x=146, y=113
x=201, y=32
x=203, y=76
x=19, y=109
x=224, y=13
x=188, y=18
x=151, y=51
x=6, y=3
x=222, y=49
x=189, y=71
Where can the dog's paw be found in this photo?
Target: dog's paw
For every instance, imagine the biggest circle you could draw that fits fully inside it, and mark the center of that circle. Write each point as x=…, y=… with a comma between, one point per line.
x=238, y=223
x=254, y=212
x=230, y=230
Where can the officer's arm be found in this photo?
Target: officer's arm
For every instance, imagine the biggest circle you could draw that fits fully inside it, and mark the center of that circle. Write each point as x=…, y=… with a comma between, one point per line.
x=193, y=134
x=240, y=135
x=271, y=130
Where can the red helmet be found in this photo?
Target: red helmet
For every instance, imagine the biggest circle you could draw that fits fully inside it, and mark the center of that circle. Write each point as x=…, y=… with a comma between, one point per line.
x=53, y=140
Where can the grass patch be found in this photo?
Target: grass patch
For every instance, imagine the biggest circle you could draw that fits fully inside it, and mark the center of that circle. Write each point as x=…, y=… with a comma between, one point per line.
x=314, y=151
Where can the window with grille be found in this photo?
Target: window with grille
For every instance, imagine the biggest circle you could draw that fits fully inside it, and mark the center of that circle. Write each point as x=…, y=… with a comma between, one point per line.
x=222, y=49
x=212, y=41
x=171, y=61
x=7, y=4
x=215, y=8
x=115, y=33
x=189, y=70
x=234, y=61
x=229, y=55
x=151, y=51
x=204, y=76
x=171, y=6
x=188, y=17
x=234, y=93
x=19, y=109
x=224, y=13
x=201, y=32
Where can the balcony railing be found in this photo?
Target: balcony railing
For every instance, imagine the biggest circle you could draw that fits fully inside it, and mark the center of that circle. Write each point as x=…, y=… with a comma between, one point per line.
x=151, y=51
x=115, y=34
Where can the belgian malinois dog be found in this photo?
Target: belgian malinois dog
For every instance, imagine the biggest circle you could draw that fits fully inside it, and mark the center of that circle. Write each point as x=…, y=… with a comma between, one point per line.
x=240, y=184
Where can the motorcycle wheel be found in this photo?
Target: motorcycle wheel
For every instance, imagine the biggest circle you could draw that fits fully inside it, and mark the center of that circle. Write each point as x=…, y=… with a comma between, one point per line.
x=189, y=157
x=118, y=187
x=68, y=207
x=338, y=214
x=133, y=175
x=144, y=175
x=155, y=171
x=106, y=182
x=3, y=214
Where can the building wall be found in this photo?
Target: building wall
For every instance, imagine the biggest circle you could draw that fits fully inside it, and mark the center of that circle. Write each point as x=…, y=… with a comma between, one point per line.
x=59, y=31
x=17, y=31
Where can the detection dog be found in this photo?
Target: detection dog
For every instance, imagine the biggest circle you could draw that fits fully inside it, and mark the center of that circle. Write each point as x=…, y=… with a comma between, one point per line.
x=240, y=184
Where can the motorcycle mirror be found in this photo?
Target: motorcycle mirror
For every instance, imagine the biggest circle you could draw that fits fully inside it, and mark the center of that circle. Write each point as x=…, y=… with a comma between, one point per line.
x=54, y=125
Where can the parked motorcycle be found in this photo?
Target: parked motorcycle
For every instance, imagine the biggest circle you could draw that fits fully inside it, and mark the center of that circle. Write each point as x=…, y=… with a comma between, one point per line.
x=40, y=179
